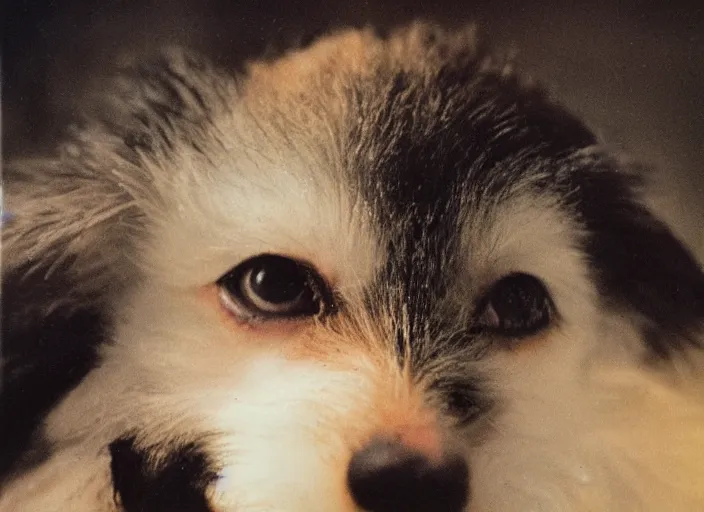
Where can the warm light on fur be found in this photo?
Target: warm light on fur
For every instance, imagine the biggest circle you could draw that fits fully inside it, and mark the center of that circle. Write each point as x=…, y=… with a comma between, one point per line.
x=184, y=172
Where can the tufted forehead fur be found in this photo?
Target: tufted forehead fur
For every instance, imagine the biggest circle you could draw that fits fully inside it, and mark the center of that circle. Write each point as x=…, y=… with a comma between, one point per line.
x=412, y=172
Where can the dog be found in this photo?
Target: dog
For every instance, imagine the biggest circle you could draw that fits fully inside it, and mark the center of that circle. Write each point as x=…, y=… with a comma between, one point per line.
x=380, y=273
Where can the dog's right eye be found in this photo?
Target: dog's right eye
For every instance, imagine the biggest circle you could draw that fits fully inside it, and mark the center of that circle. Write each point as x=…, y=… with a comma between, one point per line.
x=271, y=287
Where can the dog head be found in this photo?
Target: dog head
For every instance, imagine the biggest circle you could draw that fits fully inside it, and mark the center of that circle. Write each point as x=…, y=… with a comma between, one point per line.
x=377, y=274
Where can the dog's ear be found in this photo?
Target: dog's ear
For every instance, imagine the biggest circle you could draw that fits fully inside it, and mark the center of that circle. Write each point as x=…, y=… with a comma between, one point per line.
x=63, y=254
x=78, y=209
x=68, y=223
x=71, y=225
x=639, y=264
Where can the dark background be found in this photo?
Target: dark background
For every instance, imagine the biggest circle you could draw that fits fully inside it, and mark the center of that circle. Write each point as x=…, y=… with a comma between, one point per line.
x=633, y=70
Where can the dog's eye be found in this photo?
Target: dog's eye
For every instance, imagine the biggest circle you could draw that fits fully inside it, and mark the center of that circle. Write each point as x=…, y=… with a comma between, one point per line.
x=517, y=305
x=270, y=287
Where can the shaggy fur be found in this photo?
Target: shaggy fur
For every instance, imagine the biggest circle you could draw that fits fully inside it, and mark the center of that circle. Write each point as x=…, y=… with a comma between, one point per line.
x=413, y=172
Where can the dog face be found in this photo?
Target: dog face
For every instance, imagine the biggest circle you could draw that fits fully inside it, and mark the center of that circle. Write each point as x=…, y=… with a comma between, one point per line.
x=373, y=274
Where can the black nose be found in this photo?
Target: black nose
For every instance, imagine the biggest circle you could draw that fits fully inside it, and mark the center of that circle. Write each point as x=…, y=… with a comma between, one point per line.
x=385, y=476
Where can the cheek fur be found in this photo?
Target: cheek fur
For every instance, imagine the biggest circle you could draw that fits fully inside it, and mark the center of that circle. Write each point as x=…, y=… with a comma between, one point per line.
x=588, y=425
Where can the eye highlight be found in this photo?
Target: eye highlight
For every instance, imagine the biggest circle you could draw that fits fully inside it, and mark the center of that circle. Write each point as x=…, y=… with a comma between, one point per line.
x=272, y=287
x=517, y=305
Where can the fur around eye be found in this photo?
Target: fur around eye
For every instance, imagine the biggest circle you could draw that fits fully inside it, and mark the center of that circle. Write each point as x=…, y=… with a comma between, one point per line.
x=517, y=305
x=272, y=287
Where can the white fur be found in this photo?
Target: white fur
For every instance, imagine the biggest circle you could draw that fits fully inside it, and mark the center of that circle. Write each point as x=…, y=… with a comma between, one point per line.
x=584, y=421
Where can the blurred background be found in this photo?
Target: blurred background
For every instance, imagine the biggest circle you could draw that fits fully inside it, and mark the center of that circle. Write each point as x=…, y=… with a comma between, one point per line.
x=634, y=70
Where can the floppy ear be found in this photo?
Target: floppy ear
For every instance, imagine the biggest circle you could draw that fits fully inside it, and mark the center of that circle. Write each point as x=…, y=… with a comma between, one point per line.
x=69, y=243
x=639, y=263
x=63, y=254
x=69, y=218
x=77, y=210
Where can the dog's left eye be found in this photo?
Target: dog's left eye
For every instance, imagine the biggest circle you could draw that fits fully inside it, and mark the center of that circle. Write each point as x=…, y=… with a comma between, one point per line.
x=516, y=305
x=270, y=287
